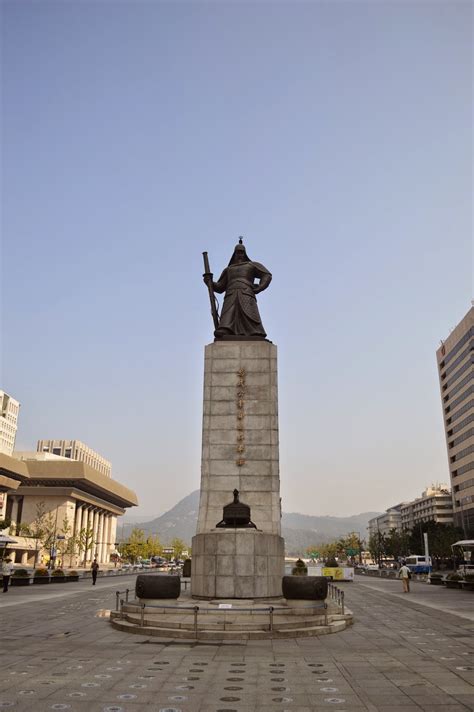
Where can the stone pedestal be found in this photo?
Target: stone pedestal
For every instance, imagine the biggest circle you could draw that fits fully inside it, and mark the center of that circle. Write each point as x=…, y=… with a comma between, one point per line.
x=239, y=451
x=240, y=433
x=237, y=563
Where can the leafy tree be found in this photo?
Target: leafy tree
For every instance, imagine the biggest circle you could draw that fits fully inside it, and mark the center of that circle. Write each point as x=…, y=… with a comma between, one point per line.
x=377, y=546
x=397, y=543
x=71, y=548
x=329, y=551
x=178, y=546
x=37, y=529
x=136, y=547
x=85, y=542
x=5, y=524
x=153, y=546
x=440, y=538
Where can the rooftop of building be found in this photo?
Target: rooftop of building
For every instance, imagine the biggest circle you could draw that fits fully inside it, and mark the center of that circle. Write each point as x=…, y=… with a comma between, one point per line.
x=457, y=332
x=63, y=472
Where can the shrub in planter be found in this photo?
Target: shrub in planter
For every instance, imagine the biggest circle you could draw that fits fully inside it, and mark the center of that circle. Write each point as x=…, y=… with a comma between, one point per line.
x=58, y=576
x=300, y=568
x=41, y=576
x=20, y=577
x=453, y=580
x=436, y=578
x=72, y=575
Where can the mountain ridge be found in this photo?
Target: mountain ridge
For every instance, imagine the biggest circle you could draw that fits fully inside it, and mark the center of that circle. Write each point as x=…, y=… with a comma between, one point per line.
x=298, y=530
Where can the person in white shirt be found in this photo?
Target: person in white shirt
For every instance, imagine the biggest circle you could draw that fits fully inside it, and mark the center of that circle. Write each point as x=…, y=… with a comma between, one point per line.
x=7, y=570
x=404, y=574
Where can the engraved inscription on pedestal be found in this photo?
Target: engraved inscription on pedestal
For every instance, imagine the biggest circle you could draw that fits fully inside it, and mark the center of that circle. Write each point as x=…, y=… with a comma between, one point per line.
x=240, y=433
x=239, y=452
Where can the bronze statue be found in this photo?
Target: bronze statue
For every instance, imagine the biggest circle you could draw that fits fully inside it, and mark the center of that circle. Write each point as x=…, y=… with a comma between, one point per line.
x=240, y=318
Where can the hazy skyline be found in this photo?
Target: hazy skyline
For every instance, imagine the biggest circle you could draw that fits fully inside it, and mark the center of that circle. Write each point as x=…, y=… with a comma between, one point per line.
x=335, y=137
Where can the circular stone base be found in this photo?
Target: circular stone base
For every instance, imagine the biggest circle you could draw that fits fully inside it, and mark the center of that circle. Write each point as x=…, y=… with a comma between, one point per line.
x=159, y=601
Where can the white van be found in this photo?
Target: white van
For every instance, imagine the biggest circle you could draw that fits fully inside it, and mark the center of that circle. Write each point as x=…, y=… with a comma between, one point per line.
x=418, y=564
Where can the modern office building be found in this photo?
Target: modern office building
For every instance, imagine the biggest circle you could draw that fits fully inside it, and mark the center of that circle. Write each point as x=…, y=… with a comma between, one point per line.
x=384, y=523
x=455, y=358
x=75, y=450
x=434, y=505
x=9, y=410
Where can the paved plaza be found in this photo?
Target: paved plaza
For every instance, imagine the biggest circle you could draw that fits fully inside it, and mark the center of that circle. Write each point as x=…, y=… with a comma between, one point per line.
x=404, y=653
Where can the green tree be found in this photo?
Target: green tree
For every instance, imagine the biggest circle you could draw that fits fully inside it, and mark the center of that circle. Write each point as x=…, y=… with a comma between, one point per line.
x=440, y=539
x=178, y=547
x=136, y=547
x=397, y=543
x=153, y=546
x=329, y=551
x=377, y=546
x=37, y=529
x=85, y=542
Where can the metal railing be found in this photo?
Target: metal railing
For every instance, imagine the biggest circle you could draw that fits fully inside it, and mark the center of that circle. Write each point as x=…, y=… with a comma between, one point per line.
x=117, y=597
x=336, y=595
x=196, y=609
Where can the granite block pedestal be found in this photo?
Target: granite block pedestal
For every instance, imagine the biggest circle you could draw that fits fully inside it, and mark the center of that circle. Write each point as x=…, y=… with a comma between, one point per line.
x=239, y=451
x=237, y=563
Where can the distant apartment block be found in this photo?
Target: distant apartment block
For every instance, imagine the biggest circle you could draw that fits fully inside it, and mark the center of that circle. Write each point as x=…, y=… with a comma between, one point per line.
x=76, y=450
x=384, y=523
x=9, y=410
x=434, y=505
x=455, y=358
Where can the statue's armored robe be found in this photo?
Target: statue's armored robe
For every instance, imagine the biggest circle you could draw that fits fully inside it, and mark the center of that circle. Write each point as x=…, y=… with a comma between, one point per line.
x=240, y=315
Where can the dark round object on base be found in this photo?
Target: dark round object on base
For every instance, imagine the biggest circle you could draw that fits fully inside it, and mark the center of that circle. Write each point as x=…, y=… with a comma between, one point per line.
x=157, y=586
x=187, y=568
x=305, y=588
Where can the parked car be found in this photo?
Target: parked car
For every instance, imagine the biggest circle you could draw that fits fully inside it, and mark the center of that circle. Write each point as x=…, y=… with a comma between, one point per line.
x=159, y=561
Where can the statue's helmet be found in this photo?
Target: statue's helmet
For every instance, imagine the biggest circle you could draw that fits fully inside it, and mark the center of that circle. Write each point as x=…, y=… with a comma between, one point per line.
x=239, y=250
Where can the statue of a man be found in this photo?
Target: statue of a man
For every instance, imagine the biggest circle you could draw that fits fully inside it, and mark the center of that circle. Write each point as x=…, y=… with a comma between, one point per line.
x=240, y=315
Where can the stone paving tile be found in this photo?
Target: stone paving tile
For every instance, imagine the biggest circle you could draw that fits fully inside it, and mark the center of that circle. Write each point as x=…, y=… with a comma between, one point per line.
x=404, y=708
x=398, y=657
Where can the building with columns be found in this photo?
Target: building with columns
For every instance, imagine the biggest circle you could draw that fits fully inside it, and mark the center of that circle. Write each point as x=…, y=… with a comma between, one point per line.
x=78, y=501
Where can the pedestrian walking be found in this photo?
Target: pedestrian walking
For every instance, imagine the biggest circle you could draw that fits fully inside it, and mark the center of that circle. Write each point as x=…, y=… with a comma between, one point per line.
x=7, y=570
x=405, y=575
x=95, y=569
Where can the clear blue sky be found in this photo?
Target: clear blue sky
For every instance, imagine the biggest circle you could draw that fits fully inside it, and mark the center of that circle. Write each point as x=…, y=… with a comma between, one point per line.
x=335, y=136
